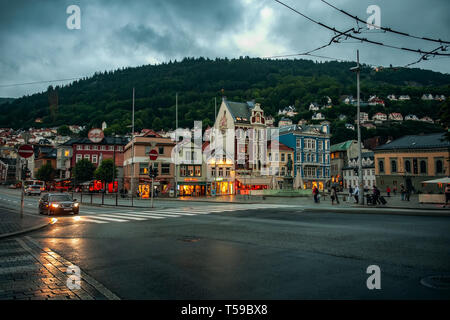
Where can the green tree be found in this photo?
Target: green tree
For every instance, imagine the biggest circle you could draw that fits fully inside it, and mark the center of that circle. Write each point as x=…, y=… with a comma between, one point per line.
x=64, y=131
x=83, y=171
x=106, y=171
x=157, y=124
x=444, y=116
x=45, y=173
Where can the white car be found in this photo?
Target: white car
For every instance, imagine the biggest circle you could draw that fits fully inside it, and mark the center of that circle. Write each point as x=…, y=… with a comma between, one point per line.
x=34, y=189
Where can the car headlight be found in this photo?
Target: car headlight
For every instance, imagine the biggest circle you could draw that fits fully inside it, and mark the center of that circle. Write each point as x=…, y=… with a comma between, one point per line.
x=76, y=204
x=55, y=205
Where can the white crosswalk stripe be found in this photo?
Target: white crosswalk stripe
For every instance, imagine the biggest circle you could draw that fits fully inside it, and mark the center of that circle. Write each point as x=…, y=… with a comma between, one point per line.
x=135, y=215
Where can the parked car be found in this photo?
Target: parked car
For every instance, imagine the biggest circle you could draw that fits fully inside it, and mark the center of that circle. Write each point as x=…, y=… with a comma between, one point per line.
x=56, y=203
x=33, y=190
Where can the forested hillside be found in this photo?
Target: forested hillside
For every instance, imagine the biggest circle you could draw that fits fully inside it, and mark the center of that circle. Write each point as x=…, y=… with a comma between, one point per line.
x=107, y=96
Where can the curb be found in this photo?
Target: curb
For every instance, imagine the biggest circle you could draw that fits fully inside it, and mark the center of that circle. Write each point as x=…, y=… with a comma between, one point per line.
x=411, y=212
x=20, y=232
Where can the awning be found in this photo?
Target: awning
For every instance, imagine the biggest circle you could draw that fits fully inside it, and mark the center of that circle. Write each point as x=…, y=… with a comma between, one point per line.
x=255, y=181
x=440, y=180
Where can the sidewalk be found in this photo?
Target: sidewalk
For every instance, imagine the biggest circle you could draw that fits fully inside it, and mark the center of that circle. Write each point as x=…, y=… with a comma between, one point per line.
x=392, y=202
x=11, y=224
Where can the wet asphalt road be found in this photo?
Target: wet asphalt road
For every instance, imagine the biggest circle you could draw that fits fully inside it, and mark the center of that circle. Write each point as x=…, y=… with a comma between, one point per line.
x=268, y=253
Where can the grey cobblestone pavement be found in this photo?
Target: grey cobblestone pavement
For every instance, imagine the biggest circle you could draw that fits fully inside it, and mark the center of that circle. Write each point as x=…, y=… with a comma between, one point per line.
x=12, y=222
x=31, y=272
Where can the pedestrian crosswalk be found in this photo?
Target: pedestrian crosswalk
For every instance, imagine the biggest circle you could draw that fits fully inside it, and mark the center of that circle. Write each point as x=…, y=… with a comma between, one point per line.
x=167, y=213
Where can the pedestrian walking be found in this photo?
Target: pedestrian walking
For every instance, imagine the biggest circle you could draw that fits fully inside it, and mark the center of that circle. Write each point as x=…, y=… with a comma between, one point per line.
x=407, y=193
x=447, y=195
x=334, y=195
x=356, y=194
x=376, y=195
x=388, y=191
x=395, y=190
x=315, y=192
x=402, y=192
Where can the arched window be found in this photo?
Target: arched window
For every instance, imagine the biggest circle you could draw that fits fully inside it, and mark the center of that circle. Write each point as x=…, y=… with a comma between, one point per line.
x=393, y=166
x=381, y=165
x=408, y=166
x=439, y=168
x=423, y=166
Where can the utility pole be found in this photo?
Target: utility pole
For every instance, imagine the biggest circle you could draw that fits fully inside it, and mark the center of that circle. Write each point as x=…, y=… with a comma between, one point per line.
x=114, y=163
x=176, y=143
x=133, y=182
x=357, y=69
x=216, y=169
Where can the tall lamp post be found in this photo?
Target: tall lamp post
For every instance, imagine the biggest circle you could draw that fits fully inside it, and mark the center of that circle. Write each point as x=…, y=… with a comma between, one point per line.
x=357, y=69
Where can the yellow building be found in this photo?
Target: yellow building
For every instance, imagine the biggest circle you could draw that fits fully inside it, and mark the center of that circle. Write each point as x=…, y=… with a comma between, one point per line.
x=410, y=160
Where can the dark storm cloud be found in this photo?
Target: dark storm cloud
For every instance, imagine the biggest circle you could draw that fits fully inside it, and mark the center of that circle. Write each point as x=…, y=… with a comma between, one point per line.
x=36, y=45
x=421, y=18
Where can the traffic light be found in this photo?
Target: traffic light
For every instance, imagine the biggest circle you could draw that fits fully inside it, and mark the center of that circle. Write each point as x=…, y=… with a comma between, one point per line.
x=26, y=173
x=153, y=172
x=356, y=170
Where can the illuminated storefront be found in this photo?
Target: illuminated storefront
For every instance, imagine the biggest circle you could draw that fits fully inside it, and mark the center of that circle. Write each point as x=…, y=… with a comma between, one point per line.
x=244, y=185
x=222, y=186
x=192, y=187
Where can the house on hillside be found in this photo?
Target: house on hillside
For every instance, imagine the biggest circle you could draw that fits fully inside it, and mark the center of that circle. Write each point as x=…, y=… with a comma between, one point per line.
x=289, y=111
x=395, y=116
x=411, y=117
x=379, y=116
x=404, y=98
x=314, y=107
x=428, y=96
x=427, y=119
x=349, y=126
x=284, y=122
x=318, y=116
x=392, y=97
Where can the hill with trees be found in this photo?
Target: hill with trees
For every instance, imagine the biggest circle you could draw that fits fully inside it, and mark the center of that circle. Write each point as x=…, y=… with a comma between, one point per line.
x=276, y=84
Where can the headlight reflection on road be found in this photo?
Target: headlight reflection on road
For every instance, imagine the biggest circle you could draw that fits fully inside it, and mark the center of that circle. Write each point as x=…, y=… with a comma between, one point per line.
x=53, y=220
x=76, y=218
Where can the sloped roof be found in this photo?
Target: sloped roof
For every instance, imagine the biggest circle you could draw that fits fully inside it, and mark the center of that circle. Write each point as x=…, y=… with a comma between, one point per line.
x=343, y=146
x=427, y=141
x=106, y=140
x=239, y=109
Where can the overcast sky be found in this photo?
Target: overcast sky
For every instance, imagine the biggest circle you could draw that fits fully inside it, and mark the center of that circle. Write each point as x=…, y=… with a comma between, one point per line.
x=36, y=44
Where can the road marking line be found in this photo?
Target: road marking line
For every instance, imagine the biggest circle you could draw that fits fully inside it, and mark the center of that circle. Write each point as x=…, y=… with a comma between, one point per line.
x=108, y=219
x=83, y=218
x=175, y=212
x=124, y=216
x=156, y=213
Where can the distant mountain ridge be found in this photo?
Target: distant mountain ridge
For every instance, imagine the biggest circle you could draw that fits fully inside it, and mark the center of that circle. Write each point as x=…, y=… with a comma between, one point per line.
x=276, y=84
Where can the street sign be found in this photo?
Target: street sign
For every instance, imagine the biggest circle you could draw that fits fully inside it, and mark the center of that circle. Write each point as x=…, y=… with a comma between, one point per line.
x=26, y=150
x=153, y=154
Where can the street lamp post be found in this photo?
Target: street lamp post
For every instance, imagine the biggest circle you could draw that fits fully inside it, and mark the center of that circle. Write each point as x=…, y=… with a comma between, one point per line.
x=357, y=69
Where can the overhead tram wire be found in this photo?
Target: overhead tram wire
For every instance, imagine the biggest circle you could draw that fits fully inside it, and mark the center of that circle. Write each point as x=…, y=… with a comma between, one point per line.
x=385, y=28
x=358, y=38
x=37, y=82
x=334, y=39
